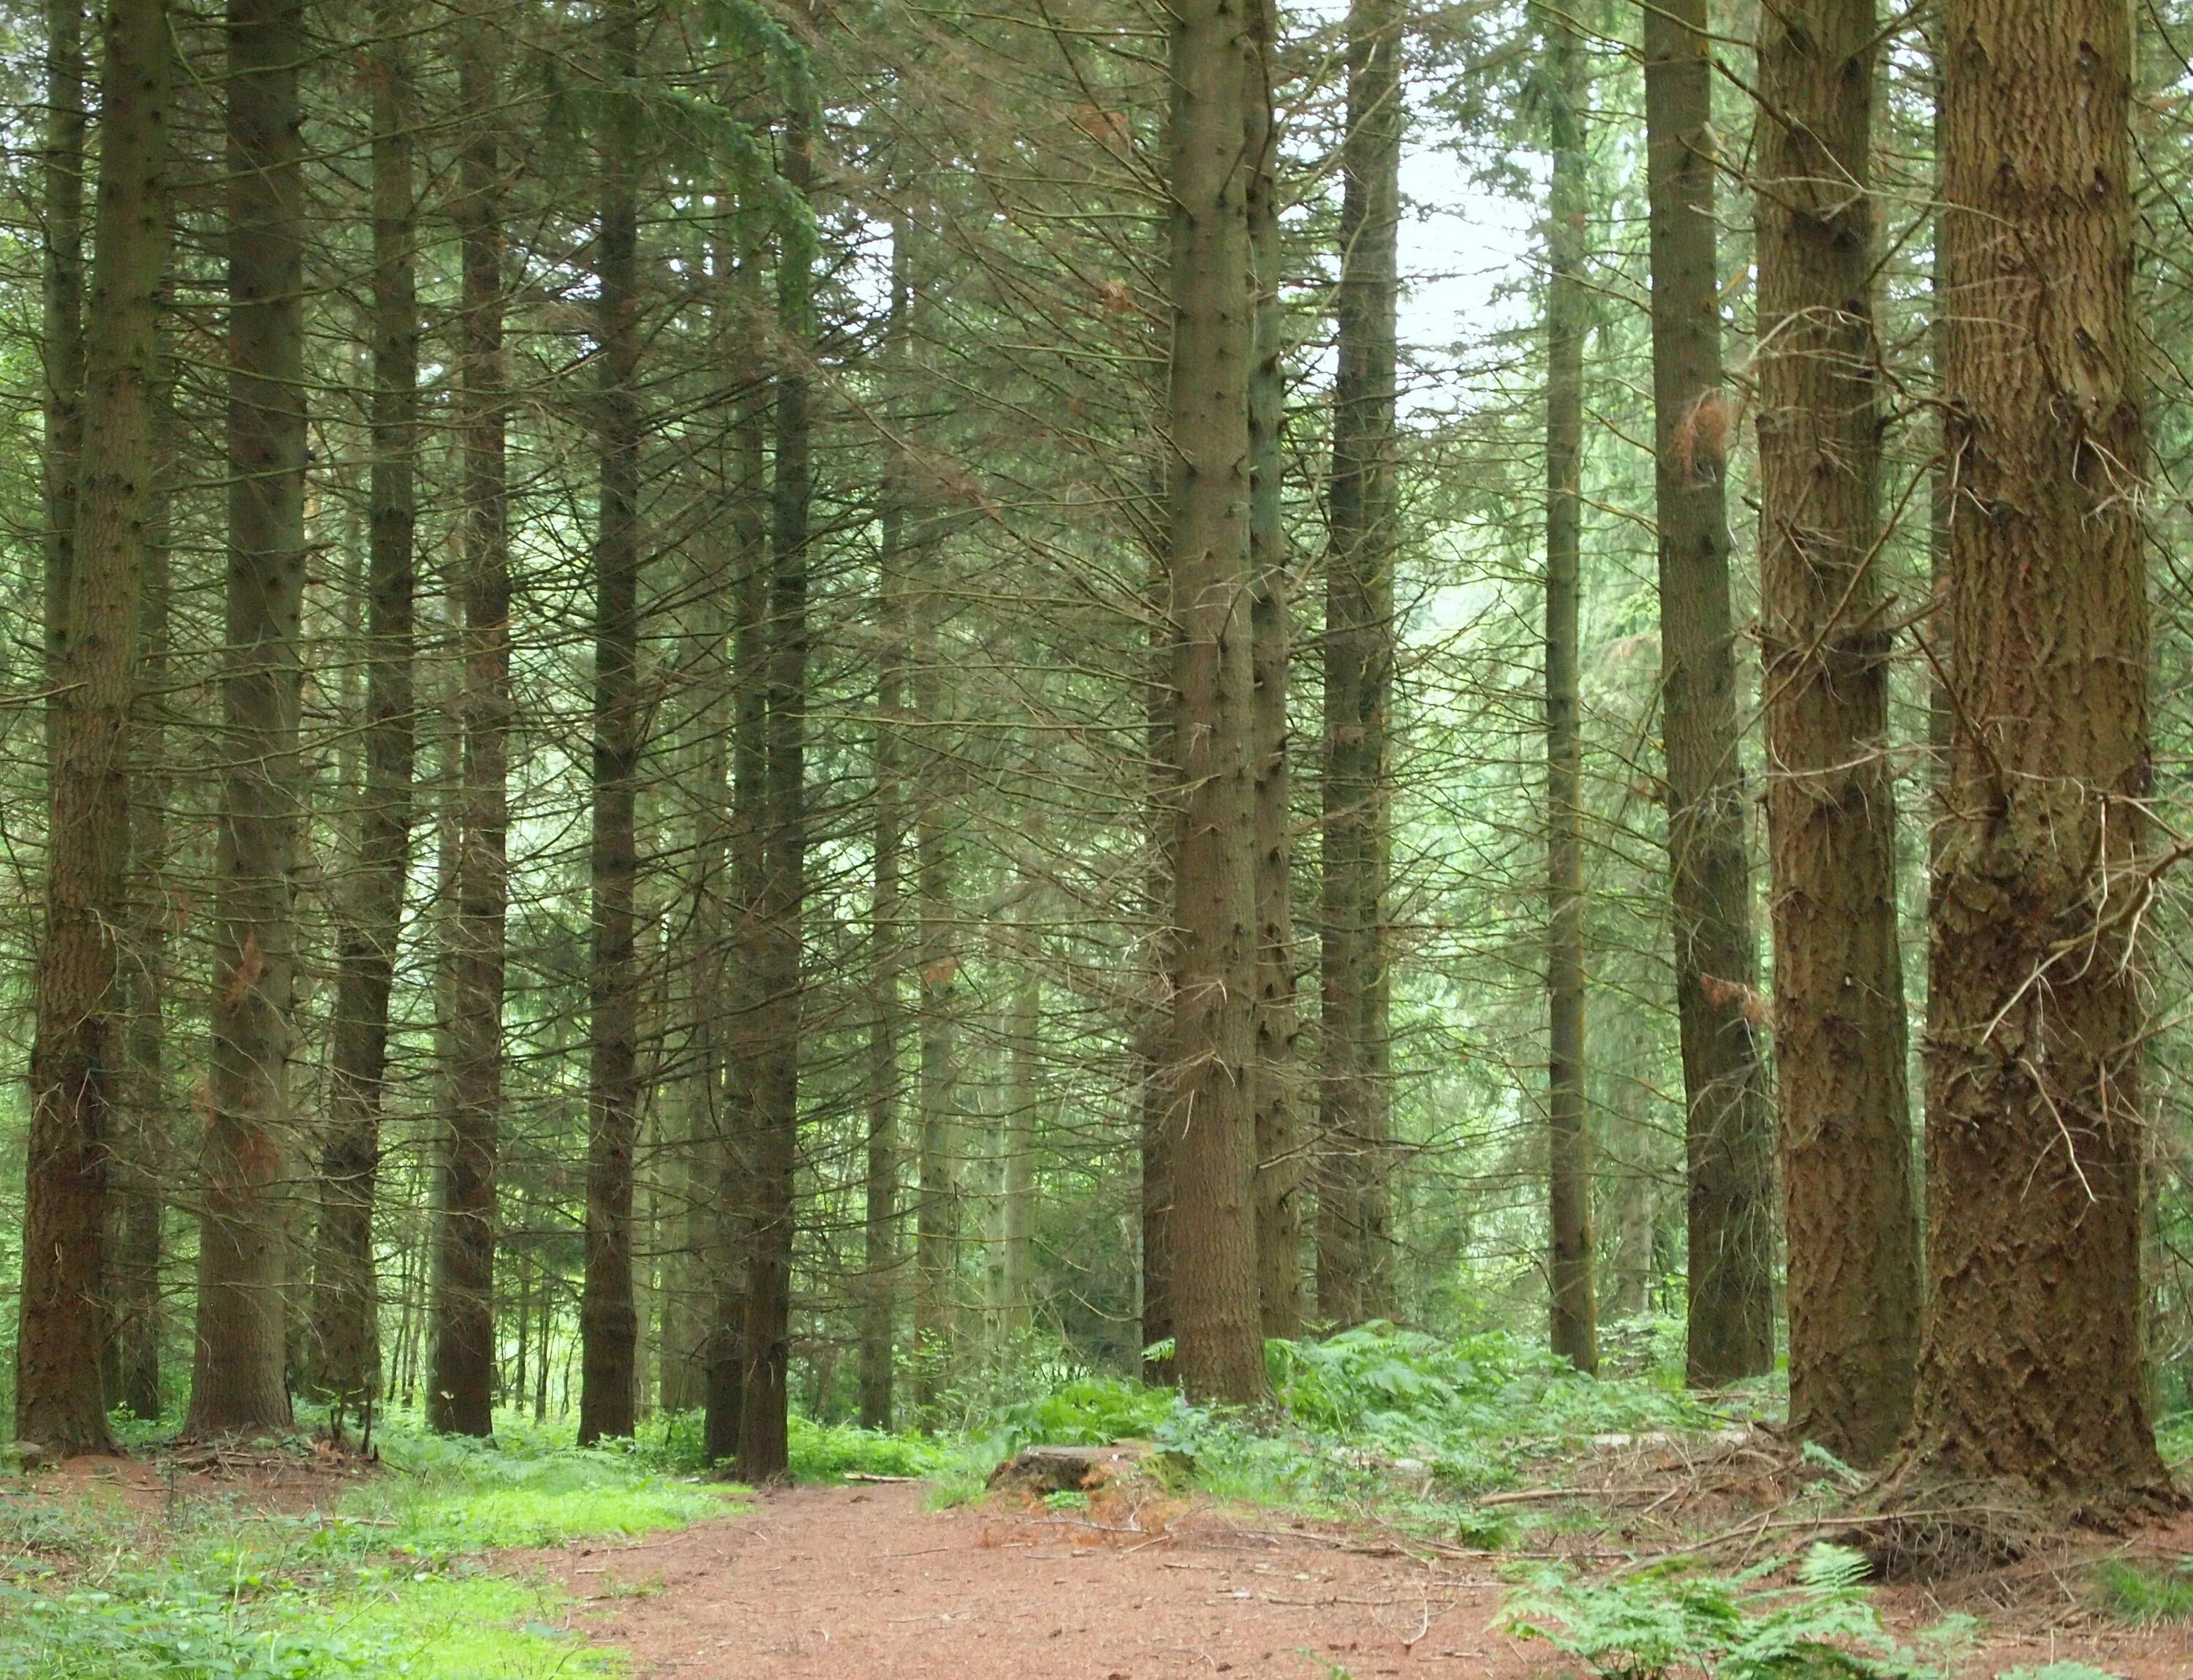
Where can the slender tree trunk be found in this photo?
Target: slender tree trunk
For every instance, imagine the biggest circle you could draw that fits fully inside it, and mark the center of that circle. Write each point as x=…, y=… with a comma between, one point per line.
x=609, y=1319
x=879, y=1257
x=60, y=336
x=1854, y=1263
x=77, y=1055
x=346, y=1307
x=1279, y=1151
x=1568, y=307
x=1729, y=1130
x=461, y=1399
x=2032, y=1369
x=743, y=999
x=238, y=1382
x=937, y=1206
x=1353, y=1218
x=763, y=1447
x=1024, y=1102
x=1154, y=1030
x=1211, y=1132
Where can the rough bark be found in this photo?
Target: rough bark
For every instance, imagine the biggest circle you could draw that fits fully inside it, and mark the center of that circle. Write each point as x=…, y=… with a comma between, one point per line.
x=238, y=1381
x=1728, y=1129
x=2032, y=1369
x=1024, y=1102
x=608, y=1317
x=60, y=328
x=1853, y=1237
x=1574, y=1300
x=347, y=1301
x=764, y=1447
x=460, y=1396
x=1353, y=1234
x=1211, y=1130
x=77, y=1055
x=1278, y=1075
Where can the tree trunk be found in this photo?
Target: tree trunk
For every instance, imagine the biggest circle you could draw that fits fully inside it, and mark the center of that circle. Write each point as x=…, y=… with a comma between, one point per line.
x=743, y=998
x=1279, y=1151
x=1853, y=1265
x=348, y=1305
x=77, y=1053
x=61, y=334
x=763, y=1447
x=937, y=1209
x=238, y=1382
x=460, y=1398
x=1574, y=1299
x=609, y=1324
x=1024, y=1101
x=1728, y=1129
x=879, y=1257
x=1217, y=70
x=2032, y=1365
x=1352, y=1232
x=1154, y=1029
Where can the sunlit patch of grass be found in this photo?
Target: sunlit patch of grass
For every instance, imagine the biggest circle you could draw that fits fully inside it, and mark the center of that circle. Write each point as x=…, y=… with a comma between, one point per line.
x=2132, y=1593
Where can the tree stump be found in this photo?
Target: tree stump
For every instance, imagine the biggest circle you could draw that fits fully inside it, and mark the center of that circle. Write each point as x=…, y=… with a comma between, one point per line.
x=1063, y=1469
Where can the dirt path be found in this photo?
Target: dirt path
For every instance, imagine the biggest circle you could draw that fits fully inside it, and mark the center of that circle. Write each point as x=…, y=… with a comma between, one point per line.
x=862, y=1584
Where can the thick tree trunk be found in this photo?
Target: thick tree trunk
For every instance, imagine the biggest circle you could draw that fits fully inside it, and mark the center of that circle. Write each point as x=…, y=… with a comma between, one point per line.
x=2032, y=1361
x=347, y=1304
x=77, y=1053
x=238, y=1382
x=1853, y=1265
x=608, y=1322
x=763, y=1447
x=1211, y=1130
x=1353, y=1235
x=460, y=1398
x=1574, y=1299
x=1728, y=1129
x=61, y=330
x=1278, y=1075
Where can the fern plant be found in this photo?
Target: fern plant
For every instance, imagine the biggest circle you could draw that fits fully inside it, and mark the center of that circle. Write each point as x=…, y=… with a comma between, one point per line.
x=1662, y=1624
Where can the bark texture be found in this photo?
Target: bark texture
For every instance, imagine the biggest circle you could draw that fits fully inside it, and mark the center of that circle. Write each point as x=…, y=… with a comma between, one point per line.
x=1211, y=1125
x=462, y=1394
x=1852, y=1231
x=345, y=1306
x=2032, y=1367
x=237, y=1380
x=1354, y=1233
x=609, y=1317
x=76, y=1055
x=1728, y=1129
x=1574, y=1300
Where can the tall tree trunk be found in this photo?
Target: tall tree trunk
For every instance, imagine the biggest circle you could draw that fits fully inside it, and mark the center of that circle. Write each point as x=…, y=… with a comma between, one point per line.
x=1024, y=1101
x=2031, y=1368
x=1279, y=1151
x=60, y=331
x=1217, y=69
x=936, y=1208
x=1854, y=1263
x=1568, y=307
x=238, y=1381
x=1728, y=1129
x=608, y=1318
x=1154, y=1029
x=143, y=1151
x=1353, y=1218
x=880, y=1256
x=460, y=1398
x=346, y=1308
x=764, y=1446
x=743, y=998
x=77, y=1055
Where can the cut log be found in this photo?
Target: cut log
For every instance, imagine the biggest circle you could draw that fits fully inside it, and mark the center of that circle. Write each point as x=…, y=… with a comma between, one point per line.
x=1062, y=1470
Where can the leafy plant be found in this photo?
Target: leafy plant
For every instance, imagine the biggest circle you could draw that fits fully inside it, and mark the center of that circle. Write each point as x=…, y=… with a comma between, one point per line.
x=1663, y=1623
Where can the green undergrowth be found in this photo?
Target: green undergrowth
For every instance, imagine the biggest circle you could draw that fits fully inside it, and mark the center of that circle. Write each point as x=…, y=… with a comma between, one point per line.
x=391, y=1581
x=2133, y=1593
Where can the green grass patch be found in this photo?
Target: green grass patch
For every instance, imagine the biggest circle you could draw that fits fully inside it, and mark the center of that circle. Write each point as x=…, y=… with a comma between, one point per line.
x=2133, y=1594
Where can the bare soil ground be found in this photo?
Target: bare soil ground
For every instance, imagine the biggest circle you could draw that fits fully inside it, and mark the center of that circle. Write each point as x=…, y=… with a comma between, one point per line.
x=861, y=1583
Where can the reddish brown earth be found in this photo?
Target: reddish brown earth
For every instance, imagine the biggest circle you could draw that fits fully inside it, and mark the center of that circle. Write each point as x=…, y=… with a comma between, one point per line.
x=862, y=1584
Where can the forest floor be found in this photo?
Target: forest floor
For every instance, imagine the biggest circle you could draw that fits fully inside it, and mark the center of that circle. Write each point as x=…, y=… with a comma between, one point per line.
x=861, y=1582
